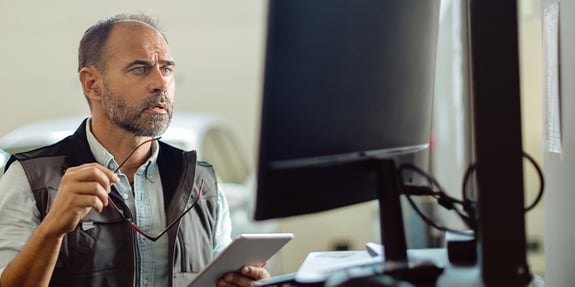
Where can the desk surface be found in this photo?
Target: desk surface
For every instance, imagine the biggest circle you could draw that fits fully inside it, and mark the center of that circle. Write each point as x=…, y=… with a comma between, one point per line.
x=317, y=268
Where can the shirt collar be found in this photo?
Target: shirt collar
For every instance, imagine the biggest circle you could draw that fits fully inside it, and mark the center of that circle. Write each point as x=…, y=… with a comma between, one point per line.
x=106, y=159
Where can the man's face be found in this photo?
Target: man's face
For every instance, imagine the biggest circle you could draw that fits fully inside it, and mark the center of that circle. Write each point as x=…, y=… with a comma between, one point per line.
x=138, y=81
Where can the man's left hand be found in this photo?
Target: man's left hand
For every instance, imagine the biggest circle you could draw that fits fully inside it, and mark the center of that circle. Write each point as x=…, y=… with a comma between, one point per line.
x=245, y=277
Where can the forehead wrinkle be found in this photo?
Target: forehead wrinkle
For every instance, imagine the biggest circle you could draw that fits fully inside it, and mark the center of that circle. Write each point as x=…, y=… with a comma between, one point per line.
x=151, y=51
x=157, y=59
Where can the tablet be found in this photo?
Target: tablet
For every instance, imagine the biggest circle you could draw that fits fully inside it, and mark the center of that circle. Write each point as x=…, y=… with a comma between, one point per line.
x=246, y=249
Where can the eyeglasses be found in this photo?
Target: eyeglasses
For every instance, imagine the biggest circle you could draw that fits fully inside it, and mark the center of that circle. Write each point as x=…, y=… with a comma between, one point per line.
x=129, y=220
x=156, y=237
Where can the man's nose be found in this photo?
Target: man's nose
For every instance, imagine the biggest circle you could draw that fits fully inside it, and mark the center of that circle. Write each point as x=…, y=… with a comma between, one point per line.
x=159, y=81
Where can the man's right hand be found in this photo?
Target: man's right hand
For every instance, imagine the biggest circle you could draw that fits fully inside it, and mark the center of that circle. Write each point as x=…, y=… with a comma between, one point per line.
x=82, y=188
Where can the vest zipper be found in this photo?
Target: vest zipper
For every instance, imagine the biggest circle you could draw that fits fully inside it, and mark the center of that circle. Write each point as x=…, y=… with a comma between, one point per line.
x=182, y=253
x=180, y=236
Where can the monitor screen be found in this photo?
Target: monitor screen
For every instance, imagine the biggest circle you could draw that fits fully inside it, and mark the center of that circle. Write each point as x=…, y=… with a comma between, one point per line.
x=344, y=82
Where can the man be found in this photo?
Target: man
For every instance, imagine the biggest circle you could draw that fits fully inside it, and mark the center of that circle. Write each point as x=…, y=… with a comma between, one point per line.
x=68, y=211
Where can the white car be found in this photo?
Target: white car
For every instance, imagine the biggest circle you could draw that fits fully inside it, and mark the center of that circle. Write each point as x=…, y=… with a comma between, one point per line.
x=210, y=135
x=4, y=156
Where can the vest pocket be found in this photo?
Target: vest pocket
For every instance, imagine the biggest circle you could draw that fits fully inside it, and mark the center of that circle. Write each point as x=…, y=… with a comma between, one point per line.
x=101, y=242
x=192, y=252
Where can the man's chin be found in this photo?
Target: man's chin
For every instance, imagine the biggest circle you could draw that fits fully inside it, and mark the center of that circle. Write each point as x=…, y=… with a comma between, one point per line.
x=150, y=125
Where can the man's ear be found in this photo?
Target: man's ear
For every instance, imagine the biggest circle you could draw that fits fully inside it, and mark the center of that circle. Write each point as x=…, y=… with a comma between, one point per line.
x=90, y=78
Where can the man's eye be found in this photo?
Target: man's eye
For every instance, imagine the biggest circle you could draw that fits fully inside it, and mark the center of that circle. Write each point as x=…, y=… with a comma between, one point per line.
x=167, y=70
x=139, y=70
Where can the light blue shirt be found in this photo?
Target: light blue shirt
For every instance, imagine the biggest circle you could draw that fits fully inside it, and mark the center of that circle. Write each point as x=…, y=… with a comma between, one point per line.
x=19, y=216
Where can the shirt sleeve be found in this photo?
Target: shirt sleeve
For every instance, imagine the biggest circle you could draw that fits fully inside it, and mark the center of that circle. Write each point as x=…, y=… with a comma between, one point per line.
x=223, y=231
x=19, y=216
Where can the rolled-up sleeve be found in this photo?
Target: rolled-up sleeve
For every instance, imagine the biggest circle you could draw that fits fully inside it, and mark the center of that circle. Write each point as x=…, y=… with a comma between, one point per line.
x=19, y=216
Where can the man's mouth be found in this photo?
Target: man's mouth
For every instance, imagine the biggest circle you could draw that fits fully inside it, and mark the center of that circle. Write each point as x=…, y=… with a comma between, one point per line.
x=158, y=107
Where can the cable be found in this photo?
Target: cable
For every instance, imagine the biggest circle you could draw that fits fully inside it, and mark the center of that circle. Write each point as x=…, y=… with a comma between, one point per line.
x=442, y=198
x=471, y=169
x=469, y=206
x=541, y=181
x=429, y=221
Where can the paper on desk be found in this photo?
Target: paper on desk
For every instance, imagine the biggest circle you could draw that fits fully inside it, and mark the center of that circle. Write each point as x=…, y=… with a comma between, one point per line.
x=317, y=266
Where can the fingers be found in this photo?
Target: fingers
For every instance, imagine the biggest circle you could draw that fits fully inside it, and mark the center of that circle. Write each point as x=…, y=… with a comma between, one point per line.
x=92, y=172
x=92, y=180
x=255, y=272
x=81, y=189
x=245, y=277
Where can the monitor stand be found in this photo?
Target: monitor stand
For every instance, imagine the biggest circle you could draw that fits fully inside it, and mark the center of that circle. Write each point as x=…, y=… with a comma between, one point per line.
x=396, y=265
x=392, y=231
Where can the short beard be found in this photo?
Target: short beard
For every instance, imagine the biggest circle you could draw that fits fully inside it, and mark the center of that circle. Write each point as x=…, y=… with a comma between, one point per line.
x=136, y=120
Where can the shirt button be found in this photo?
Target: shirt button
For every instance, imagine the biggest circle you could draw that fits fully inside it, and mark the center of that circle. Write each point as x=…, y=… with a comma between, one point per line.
x=125, y=196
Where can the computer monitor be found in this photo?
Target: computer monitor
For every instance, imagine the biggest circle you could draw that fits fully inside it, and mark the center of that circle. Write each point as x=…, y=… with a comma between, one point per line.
x=347, y=95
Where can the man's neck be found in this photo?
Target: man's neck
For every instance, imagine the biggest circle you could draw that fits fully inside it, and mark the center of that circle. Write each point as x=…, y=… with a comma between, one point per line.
x=129, y=151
